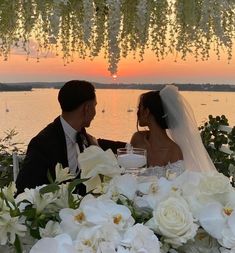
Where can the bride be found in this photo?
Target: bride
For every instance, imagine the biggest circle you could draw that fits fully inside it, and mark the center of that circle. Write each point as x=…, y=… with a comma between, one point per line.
x=172, y=141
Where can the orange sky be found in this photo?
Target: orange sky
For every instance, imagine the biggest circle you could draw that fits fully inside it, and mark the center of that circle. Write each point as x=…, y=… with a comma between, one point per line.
x=17, y=69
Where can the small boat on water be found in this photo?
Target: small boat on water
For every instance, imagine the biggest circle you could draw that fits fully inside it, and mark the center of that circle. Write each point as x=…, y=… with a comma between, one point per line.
x=129, y=110
x=103, y=111
x=216, y=100
x=6, y=108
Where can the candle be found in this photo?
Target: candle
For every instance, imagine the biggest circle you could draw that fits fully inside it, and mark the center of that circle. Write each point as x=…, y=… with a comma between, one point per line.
x=131, y=160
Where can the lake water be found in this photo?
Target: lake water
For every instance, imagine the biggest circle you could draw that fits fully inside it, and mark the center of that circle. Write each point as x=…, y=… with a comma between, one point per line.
x=29, y=112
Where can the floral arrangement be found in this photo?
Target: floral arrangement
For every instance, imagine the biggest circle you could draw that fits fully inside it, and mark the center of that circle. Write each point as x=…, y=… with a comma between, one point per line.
x=193, y=212
x=117, y=28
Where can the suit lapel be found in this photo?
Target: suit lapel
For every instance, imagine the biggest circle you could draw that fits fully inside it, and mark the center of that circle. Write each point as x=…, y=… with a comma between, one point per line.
x=62, y=148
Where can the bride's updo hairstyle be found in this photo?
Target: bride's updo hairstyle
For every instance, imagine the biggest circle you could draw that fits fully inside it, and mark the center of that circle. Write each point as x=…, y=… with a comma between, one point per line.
x=153, y=102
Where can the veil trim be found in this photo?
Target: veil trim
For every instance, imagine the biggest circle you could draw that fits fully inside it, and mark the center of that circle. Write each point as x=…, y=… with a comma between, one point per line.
x=184, y=131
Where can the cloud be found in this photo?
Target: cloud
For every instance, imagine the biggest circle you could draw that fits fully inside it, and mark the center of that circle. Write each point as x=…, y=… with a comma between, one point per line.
x=33, y=50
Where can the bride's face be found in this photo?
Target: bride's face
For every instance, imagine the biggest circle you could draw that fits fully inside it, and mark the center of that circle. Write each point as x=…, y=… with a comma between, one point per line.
x=142, y=115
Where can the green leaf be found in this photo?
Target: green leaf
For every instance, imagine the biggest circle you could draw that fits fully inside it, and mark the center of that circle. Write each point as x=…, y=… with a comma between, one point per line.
x=29, y=212
x=50, y=179
x=76, y=182
x=49, y=188
x=35, y=233
x=17, y=245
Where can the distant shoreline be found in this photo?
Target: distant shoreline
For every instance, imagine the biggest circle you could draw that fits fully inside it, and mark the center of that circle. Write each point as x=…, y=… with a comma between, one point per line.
x=27, y=86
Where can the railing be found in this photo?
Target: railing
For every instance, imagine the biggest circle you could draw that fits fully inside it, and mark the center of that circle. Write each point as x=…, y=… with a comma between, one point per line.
x=17, y=159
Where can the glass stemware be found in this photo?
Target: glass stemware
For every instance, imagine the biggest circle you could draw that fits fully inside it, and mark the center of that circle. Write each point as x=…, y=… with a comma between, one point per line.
x=132, y=159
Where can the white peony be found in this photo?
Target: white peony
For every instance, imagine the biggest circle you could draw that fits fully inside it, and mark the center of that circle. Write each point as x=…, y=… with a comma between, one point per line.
x=60, y=244
x=140, y=239
x=96, y=238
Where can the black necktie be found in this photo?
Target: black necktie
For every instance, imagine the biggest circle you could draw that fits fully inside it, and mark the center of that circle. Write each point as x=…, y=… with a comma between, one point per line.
x=79, y=140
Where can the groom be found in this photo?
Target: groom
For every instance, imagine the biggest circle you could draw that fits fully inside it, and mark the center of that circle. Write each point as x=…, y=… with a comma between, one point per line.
x=63, y=139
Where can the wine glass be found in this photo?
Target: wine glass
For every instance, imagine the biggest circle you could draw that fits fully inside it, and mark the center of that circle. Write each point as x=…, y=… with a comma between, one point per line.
x=132, y=159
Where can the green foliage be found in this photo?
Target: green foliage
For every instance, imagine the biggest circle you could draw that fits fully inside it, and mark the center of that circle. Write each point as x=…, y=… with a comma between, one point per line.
x=7, y=147
x=211, y=134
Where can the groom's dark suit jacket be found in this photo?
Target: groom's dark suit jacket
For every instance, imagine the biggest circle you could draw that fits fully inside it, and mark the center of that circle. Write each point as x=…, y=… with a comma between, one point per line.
x=44, y=151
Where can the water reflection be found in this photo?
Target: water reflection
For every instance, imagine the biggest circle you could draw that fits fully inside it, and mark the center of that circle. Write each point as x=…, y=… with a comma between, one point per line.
x=29, y=112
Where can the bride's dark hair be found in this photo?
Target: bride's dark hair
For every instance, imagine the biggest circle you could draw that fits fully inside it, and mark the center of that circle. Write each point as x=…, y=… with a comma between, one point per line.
x=153, y=102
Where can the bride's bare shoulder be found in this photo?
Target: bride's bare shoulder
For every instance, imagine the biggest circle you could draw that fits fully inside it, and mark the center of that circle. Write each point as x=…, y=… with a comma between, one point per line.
x=138, y=138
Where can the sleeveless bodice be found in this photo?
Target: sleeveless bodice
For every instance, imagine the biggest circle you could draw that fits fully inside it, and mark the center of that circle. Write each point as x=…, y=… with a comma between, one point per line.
x=169, y=171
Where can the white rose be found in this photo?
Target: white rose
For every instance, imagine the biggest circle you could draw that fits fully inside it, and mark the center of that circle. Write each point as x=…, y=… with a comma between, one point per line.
x=174, y=221
x=215, y=185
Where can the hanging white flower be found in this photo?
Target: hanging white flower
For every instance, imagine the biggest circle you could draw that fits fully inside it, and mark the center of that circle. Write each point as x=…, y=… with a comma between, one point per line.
x=88, y=20
x=113, y=22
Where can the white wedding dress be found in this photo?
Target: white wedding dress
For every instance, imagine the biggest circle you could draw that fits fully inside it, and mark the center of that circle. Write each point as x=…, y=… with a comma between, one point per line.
x=182, y=128
x=169, y=171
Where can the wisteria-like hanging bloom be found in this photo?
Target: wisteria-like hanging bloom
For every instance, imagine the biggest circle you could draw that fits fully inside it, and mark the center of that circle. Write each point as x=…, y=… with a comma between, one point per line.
x=120, y=28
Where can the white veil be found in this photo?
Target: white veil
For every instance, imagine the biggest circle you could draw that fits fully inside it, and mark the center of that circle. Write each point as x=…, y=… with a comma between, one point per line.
x=183, y=130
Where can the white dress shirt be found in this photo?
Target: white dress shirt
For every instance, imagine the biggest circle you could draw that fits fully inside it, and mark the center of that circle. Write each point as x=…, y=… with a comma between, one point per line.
x=72, y=146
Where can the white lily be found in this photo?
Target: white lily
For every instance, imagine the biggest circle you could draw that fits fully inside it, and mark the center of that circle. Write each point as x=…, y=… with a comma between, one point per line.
x=9, y=228
x=62, y=196
x=72, y=221
x=152, y=191
x=122, y=186
x=52, y=229
x=94, y=162
x=9, y=192
x=219, y=222
x=62, y=174
x=101, y=212
x=34, y=197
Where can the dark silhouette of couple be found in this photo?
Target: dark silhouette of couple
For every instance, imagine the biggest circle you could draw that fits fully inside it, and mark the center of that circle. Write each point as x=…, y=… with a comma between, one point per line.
x=172, y=140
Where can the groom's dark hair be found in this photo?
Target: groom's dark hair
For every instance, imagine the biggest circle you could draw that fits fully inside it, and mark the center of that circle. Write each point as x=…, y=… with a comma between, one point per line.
x=74, y=93
x=153, y=102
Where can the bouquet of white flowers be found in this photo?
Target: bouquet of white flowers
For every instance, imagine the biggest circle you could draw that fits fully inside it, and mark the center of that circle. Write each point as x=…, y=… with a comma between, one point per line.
x=191, y=213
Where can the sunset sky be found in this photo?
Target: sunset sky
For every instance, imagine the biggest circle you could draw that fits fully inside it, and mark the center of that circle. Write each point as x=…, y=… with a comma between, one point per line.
x=52, y=69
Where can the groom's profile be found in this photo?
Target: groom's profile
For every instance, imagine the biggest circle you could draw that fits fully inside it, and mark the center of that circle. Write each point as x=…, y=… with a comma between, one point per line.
x=64, y=138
